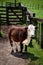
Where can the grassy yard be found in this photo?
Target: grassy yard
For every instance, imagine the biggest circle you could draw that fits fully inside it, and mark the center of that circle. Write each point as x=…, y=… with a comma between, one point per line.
x=39, y=13
x=35, y=54
x=30, y=4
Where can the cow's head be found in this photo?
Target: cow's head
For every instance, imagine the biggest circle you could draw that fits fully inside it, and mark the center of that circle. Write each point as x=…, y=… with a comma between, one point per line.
x=31, y=30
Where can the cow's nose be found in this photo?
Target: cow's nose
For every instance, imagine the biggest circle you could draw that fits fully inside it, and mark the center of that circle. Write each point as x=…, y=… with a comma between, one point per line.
x=33, y=36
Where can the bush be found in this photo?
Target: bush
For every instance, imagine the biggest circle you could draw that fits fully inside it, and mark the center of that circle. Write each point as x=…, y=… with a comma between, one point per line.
x=1, y=34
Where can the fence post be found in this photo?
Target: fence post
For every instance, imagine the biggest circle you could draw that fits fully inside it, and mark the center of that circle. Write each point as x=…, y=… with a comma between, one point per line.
x=15, y=2
x=0, y=19
x=28, y=18
x=0, y=22
x=36, y=24
x=1, y=3
x=39, y=33
x=38, y=6
x=7, y=16
x=42, y=35
x=34, y=21
x=41, y=7
x=24, y=14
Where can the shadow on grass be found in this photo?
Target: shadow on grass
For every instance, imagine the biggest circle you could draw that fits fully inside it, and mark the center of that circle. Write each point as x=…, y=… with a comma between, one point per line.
x=30, y=45
x=25, y=55
x=32, y=56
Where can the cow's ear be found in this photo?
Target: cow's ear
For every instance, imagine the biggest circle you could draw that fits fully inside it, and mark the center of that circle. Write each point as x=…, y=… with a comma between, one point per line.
x=26, y=27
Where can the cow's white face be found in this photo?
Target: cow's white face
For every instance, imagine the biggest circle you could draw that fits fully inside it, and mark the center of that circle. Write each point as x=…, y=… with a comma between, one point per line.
x=31, y=29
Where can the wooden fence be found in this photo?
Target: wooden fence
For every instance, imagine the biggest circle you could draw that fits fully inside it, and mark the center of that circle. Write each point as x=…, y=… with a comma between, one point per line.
x=39, y=32
x=37, y=22
x=10, y=14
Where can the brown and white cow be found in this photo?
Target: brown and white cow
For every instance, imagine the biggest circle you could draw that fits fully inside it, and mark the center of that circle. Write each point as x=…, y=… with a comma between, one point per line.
x=21, y=34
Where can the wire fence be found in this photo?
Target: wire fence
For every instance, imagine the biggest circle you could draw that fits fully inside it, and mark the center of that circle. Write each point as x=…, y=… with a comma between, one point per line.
x=30, y=5
x=35, y=6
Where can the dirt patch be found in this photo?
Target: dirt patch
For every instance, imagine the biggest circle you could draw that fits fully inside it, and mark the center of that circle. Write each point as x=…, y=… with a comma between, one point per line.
x=6, y=58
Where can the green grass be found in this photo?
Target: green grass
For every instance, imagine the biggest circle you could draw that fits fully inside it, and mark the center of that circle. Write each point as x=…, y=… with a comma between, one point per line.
x=35, y=54
x=1, y=34
x=39, y=13
x=32, y=5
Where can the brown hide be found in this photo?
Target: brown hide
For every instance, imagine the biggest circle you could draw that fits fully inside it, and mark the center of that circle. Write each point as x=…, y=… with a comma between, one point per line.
x=18, y=34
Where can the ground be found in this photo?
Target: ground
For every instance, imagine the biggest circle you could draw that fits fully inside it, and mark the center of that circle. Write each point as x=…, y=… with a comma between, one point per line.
x=6, y=58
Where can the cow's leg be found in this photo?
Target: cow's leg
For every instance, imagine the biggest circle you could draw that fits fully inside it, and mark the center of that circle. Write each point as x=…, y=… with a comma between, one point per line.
x=16, y=47
x=21, y=47
x=21, y=38
x=11, y=43
x=25, y=47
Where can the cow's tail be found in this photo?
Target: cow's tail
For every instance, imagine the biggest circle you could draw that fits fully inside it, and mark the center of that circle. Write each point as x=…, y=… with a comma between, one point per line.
x=10, y=38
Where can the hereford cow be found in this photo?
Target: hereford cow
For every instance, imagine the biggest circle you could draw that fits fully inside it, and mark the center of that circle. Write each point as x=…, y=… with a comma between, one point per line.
x=21, y=34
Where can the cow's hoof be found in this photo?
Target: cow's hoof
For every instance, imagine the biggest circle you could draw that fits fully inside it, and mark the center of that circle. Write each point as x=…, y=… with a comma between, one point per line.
x=12, y=51
x=20, y=54
x=11, y=45
x=16, y=50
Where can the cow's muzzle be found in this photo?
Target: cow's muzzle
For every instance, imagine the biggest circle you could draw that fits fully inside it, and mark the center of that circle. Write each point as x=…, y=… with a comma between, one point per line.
x=33, y=37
